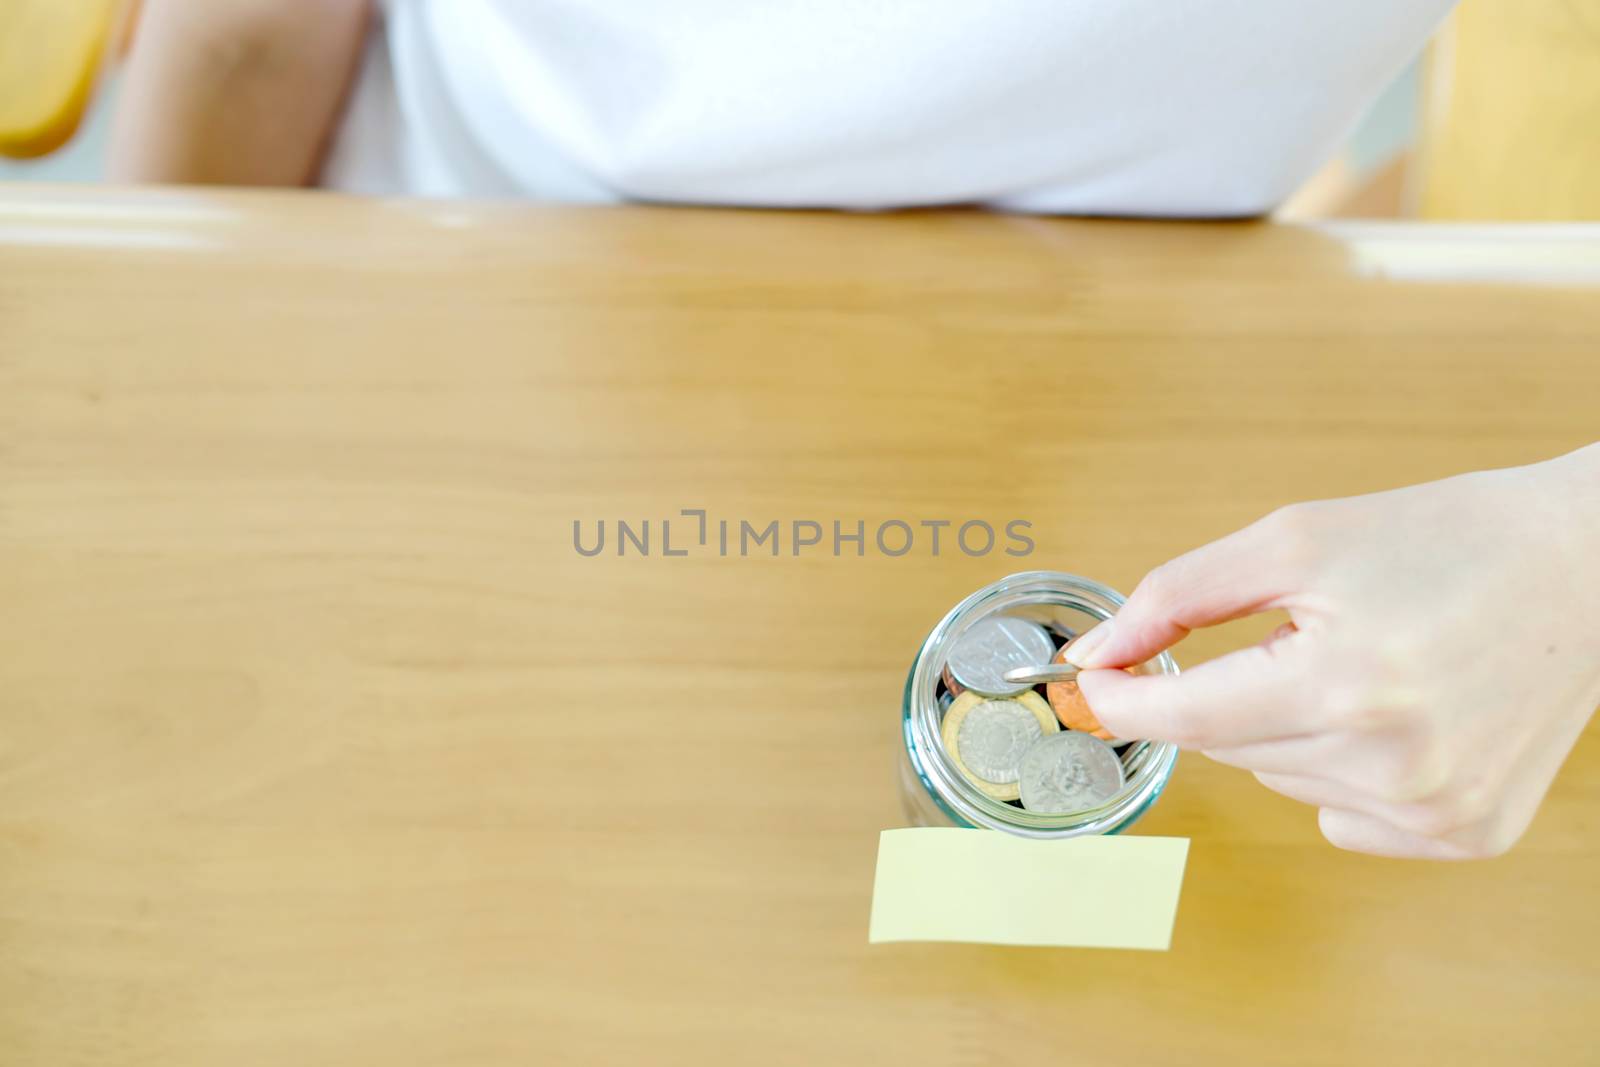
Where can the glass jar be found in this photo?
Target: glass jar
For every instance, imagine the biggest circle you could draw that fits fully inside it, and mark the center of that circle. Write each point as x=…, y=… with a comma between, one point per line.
x=933, y=789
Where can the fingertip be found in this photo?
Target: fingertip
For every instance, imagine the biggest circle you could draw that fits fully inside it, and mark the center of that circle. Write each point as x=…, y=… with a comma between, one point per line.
x=1130, y=638
x=1245, y=696
x=1110, y=695
x=1102, y=681
x=1084, y=652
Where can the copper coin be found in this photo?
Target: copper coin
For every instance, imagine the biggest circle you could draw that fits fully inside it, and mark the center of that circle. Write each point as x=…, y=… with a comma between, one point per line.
x=1070, y=707
x=950, y=683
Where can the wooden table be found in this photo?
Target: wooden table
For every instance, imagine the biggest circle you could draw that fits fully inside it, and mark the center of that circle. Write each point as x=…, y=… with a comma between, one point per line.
x=319, y=743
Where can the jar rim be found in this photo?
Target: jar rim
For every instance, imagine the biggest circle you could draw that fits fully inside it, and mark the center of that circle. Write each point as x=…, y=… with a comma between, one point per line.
x=1150, y=763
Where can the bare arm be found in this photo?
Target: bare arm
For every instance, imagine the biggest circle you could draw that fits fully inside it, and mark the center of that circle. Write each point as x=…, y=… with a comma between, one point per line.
x=242, y=92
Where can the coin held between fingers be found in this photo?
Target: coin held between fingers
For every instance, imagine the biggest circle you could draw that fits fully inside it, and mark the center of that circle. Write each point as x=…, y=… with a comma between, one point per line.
x=1045, y=672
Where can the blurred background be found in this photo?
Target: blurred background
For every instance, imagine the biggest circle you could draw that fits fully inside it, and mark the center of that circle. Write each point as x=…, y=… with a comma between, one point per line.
x=1498, y=119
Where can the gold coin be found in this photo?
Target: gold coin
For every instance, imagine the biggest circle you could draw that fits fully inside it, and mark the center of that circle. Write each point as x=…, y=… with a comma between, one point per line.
x=996, y=732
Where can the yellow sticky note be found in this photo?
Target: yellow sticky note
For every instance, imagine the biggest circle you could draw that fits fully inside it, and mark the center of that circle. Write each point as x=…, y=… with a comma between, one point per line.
x=941, y=884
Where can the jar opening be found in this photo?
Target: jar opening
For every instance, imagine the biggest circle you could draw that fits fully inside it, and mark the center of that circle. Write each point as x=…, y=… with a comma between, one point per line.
x=1065, y=605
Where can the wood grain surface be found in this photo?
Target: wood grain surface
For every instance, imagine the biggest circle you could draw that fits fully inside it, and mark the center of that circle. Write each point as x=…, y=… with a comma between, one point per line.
x=1513, y=103
x=320, y=743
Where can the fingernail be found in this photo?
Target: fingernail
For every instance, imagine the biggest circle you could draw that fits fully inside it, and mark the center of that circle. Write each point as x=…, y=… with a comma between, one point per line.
x=1082, y=651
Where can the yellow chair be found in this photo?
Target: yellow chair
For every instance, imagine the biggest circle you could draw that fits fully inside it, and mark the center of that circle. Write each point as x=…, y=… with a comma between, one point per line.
x=1511, y=128
x=50, y=57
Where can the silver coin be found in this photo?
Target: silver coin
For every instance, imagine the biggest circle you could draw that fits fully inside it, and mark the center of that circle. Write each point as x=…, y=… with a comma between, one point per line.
x=1045, y=672
x=993, y=738
x=994, y=646
x=1068, y=772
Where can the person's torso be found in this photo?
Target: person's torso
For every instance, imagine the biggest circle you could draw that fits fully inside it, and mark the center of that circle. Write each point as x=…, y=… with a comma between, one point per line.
x=1208, y=107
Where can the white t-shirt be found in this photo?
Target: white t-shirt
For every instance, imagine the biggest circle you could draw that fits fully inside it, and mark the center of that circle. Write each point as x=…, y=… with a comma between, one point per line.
x=1145, y=107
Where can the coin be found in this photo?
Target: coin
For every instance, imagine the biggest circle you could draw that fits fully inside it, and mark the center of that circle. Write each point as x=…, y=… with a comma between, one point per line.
x=986, y=737
x=1070, y=707
x=993, y=737
x=993, y=646
x=1068, y=772
x=1044, y=673
x=953, y=687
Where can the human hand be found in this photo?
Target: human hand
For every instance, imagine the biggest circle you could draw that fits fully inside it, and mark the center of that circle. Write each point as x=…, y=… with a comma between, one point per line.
x=1442, y=659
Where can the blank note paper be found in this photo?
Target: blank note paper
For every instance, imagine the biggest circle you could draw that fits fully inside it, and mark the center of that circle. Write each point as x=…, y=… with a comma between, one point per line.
x=941, y=884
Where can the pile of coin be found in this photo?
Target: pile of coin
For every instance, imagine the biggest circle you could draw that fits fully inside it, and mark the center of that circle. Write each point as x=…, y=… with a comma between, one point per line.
x=1015, y=724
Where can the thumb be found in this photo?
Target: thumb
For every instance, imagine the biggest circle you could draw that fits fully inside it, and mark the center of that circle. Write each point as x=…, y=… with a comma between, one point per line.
x=1247, y=572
